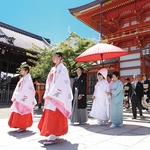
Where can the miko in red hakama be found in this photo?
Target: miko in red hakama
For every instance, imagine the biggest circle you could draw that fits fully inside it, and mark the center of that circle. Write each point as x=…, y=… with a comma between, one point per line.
x=57, y=105
x=23, y=102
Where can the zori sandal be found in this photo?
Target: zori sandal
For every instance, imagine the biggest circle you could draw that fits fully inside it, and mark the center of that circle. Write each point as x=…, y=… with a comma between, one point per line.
x=49, y=142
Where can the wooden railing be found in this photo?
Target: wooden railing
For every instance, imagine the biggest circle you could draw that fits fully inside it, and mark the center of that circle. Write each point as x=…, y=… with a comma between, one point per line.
x=6, y=94
x=128, y=33
x=6, y=89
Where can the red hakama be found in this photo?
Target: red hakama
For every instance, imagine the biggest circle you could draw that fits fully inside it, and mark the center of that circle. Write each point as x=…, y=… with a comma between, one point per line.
x=22, y=118
x=23, y=102
x=20, y=121
x=53, y=122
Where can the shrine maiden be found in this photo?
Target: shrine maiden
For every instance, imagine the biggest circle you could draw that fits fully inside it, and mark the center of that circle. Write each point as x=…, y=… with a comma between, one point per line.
x=58, y=100
x=23, y=102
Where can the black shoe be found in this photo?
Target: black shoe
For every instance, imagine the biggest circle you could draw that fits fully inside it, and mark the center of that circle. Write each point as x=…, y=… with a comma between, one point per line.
x=141, y=116
x=133, y=118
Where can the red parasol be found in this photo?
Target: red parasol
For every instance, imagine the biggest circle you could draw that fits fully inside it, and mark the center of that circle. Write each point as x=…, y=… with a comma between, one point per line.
x=101, y=51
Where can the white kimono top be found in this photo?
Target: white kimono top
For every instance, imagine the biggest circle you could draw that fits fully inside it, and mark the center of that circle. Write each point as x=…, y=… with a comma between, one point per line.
x=58, y=92
x=24, y=94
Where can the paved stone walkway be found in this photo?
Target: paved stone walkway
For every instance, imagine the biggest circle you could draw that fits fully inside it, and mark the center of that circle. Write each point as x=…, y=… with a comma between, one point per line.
x=134, y=135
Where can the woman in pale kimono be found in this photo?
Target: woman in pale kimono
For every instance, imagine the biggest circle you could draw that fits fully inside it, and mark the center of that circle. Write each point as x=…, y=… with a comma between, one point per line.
x=23, y=102
x=110, y=82
x=117, y=101
x=100, y=107
x=58, y=100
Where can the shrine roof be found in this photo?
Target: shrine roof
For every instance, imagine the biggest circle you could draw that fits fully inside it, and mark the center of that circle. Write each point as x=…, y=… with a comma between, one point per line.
x=106, y=4
x=16, y=37
x=84, y=7
x=89, y=13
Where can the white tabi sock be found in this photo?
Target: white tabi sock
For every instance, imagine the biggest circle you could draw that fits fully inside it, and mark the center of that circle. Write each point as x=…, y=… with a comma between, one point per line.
x=52, y=137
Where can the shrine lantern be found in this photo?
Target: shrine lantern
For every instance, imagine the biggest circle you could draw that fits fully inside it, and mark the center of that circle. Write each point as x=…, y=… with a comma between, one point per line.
x=40, y=89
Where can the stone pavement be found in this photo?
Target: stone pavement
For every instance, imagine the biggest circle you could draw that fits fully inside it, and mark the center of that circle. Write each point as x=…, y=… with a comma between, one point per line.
x=134, y=135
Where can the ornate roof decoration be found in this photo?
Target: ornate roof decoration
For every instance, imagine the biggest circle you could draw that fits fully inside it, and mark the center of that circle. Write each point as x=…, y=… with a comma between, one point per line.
x=128, y=11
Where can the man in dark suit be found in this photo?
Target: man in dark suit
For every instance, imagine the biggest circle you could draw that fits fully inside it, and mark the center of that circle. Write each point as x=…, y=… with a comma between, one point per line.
x=137, y=96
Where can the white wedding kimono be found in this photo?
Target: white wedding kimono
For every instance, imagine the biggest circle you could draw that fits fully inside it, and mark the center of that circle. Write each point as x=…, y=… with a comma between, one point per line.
x=100, y=107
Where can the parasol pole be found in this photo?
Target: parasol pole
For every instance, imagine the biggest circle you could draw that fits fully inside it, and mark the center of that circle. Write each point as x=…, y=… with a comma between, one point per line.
x=102, y=61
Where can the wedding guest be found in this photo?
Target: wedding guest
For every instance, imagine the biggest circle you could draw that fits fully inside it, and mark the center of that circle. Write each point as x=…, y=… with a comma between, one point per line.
x=117, y=101
x=137, y=96
x=146, y=89
x=110, y=82
x=127, y=92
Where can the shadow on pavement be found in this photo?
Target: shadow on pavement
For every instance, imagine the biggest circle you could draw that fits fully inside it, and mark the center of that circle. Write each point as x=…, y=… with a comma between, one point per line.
x=21, y=135
x=126, y=129
x=61, y=144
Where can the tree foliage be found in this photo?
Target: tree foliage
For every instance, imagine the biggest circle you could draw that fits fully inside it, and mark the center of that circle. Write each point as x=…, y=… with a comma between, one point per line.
x=41, y=68
x=72, y=47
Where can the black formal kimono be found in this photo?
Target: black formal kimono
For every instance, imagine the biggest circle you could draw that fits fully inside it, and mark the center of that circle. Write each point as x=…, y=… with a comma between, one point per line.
x=136, y=97
x=127, y=94
x=79, y=111
x=146, y=86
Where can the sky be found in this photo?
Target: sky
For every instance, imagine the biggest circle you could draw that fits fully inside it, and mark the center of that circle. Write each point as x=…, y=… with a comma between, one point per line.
x=48, y=18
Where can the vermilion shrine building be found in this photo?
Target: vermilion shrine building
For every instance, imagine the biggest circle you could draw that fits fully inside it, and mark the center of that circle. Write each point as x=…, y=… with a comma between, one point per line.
x=126, y=24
